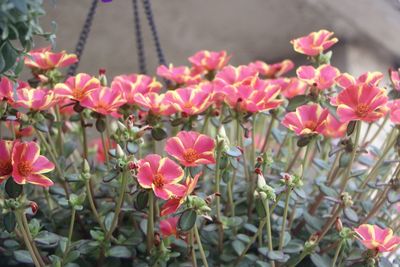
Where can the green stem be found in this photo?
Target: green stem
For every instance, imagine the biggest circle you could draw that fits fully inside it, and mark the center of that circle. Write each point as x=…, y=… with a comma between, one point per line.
x=32, y=242
x=105, y=149
x=285, y=212
x=60, y=142
x=150, y=223
x=218, y=199
x=205, y=124
x=118, y=207
x=339, y=247
x=269, y=232
x=347, y=173
x=93, y=206
x=27, y=240
x=70, y=232
x=200, y=245
x=268, y=134
x=191, y=244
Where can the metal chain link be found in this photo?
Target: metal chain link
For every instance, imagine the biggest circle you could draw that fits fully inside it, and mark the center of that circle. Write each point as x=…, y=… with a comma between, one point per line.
x=139, y=39
x=80, y=46
x=150, y=20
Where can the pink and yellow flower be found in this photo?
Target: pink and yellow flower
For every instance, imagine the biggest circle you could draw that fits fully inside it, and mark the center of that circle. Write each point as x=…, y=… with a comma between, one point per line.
x=346, y=80
x=168, y=227
x=395, y=78
x=29, y=165
x=261, y=96
x=19, y=132
x=375, y=238
x=314, y=43
x=173, y=204
x=104, y=100
x=272, y=70
x=133, y=84
x=158, y=104
x=77, y=87
x=209, y=60
x=6, y=166
x=191, y=148
x=322, y=77
x=290, y=87
x=97, y=146
x=190, y=100
x=162, y=175
x=334, y=127
x=363, y=102
x=394, y=110
x=35, y=98
x=6, y=90
x=44, y=59
x=307, y=119
x=230, y=78
x=181, y=75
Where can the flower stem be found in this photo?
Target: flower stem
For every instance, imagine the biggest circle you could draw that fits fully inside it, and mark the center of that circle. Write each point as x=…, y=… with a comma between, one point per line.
x=268, y=134
x=218, y=200
x=201, y=250
x=339, y=247
x=93, y=206
x=105, y=149
x=31, y=241
x=70, y=232
x=346, y=176
x=269, y=232
x=191, y=248
x=26, y=238
x=118, y=206
x=285, y=212
x=150, y=223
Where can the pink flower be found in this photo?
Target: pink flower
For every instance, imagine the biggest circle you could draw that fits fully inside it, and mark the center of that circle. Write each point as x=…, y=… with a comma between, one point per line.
x=334, y=128
x=173, y=204
x=6, y=90
x=6, y=166
x=290, y=87
x=20, y=132
x=314, y=43
x=29, y=165
x=230, y=78
x=191, y=148
x=190, y=100
x=272, y=70
x=209, y=60
x=77, y=87
x=162, y=175
x=44, y=59
x=394, y=109
x=133, y=84
x=181, y=75
x=307, y=119
x=363, y=102
x=158, y=104
x=346, y=80
x=105, y=101
x=35, y=98
x=97, y=145
x=261, y=96
x=375, y=238
x=395, y=78
x=168, y=227
x=322, y=78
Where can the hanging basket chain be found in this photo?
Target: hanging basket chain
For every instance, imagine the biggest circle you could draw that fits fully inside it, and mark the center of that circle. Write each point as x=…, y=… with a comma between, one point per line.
x=80, y=46
x=150, y=20
x=139, y=39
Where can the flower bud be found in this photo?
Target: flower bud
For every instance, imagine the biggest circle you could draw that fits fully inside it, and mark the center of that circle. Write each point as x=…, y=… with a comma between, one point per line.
x=338, y=224
x=119, y=152
x=86, y=166
x=121, y=126
x=102, y=77
x=261, y=183
x=34, y=207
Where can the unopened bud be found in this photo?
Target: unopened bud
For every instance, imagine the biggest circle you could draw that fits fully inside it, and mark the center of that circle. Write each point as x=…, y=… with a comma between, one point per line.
x=338, y=224
x=86, y=166
x=34, y=207
x=258, y=171
x=102, y=77
x=261, y=183
x=157, y=239
x=121, y=126
x=119, y=152
x=132, y=165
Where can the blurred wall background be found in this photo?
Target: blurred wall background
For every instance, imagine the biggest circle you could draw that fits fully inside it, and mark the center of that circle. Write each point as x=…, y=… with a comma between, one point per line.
x=251, y=29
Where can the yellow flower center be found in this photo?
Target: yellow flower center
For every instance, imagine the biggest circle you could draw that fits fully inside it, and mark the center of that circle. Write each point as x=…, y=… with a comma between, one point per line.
x=78, y=93
x=188, y=105
x=158, y=180
x=310, y=125
x=362, y=110
x=191, y=155
x=5, y=167
x=25, y=168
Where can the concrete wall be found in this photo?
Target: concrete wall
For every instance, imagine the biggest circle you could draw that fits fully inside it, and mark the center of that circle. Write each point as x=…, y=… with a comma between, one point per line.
x=249, y=29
